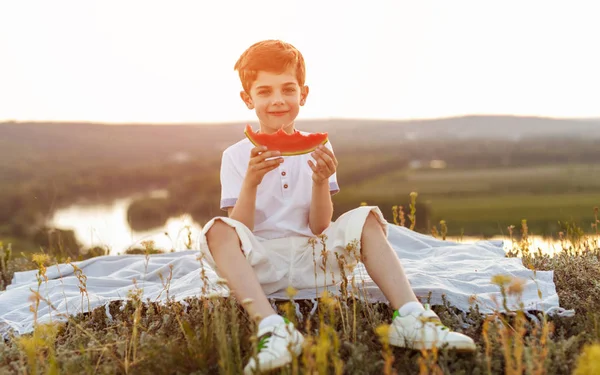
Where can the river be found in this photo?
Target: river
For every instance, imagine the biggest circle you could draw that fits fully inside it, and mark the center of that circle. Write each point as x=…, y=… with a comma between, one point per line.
x=105, y=225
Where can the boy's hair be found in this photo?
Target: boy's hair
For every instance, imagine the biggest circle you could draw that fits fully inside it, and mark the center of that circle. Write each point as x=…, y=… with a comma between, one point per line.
x=272, y=56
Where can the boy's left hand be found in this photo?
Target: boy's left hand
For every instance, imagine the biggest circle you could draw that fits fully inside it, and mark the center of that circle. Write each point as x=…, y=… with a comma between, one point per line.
x=326, y=165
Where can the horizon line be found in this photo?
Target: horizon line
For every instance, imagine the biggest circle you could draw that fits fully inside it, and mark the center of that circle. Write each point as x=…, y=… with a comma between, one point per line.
x=398, y=119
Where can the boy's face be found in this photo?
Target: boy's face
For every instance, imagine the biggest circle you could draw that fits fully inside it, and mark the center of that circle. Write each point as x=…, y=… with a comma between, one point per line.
x=276, y=98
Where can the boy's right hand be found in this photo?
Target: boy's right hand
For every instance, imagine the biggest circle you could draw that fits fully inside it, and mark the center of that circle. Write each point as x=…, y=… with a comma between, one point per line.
x=258, y=166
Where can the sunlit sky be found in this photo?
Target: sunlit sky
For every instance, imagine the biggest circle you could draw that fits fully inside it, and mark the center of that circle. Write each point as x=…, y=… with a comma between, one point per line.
x=172, y=61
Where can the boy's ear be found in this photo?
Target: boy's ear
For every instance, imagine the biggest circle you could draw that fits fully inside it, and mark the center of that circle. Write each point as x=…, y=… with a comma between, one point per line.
x=247, y=99
x=303, y=95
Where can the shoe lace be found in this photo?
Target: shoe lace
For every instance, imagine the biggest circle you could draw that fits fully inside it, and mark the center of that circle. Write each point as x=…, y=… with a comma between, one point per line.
x=434, y=321
x=426, y=319
x=264, y=339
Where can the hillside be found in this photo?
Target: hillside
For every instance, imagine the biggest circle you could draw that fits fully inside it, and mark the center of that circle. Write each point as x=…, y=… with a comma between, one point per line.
x=42, y=150
x=87, y=140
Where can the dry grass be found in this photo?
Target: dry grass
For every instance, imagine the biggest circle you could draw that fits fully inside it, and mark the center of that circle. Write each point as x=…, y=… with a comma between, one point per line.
x=212, y=334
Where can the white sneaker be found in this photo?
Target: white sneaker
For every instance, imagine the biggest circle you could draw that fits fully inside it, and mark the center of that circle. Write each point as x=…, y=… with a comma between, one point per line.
x=424, y=330
x=276, y=345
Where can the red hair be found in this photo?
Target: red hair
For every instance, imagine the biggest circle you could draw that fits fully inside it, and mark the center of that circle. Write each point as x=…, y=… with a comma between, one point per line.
x=272, y=56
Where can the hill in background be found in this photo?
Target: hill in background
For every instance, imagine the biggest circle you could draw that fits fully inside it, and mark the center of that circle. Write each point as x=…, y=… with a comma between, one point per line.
x=88, y=140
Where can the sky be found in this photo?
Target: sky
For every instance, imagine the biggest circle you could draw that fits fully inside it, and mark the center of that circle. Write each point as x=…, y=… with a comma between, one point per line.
x=172, y=61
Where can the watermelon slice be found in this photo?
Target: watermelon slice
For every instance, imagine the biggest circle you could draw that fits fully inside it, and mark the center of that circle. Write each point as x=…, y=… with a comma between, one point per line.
x=288, y=144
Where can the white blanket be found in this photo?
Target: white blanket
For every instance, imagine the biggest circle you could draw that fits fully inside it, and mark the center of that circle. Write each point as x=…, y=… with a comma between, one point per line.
x=456, y=270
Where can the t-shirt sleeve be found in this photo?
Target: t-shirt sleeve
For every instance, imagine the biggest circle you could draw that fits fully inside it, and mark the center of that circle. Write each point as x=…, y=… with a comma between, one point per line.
x=334, y=188
x=231, y=182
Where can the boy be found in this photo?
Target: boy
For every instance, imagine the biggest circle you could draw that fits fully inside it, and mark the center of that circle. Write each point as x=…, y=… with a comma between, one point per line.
x=276, y=204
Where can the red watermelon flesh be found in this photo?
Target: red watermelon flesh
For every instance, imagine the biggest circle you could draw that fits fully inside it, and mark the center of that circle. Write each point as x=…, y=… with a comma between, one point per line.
x=287, y=144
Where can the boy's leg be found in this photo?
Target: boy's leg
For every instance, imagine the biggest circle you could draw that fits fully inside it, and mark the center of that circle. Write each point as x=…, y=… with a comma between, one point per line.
x=383, y=264
x=279, y=340
x=413, y=326
x=226, y=251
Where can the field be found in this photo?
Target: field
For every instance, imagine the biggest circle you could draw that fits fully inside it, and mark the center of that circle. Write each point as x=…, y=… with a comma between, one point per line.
x=537, y=179
x=484, y=202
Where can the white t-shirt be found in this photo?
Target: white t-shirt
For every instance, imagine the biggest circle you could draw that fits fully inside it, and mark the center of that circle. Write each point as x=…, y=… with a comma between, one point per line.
x=282, y=198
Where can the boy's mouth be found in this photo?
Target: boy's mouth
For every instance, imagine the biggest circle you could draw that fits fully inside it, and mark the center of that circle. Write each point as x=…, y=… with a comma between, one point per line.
x=279, y=113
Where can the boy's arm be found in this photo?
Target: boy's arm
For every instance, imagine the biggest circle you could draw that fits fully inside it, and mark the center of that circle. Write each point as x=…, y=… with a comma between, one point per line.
x=245, y=207
x=321, y=207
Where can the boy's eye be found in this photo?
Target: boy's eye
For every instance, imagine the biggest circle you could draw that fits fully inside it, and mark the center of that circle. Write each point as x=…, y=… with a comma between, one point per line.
x=263, y=92
x=290, y=89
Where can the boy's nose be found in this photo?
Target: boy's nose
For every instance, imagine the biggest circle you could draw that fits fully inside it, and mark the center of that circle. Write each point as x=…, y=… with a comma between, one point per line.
x=277, y=99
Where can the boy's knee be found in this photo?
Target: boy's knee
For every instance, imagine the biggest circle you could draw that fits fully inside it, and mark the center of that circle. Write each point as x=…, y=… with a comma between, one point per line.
x=219, y=230
x=373, y=221
x=219, y=233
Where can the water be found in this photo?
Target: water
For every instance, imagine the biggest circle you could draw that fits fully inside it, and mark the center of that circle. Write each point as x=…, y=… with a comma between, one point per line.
x=547, y=245
x=106, y=225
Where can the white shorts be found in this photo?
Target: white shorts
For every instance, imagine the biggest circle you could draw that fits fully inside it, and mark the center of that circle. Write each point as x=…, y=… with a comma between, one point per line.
x=299, y=261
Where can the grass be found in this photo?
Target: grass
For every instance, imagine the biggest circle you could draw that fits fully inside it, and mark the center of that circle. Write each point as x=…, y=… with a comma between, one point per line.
x=534, y=179
x=545, y=213
x=487, y=216
x=483, y=202
x=209, y=335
